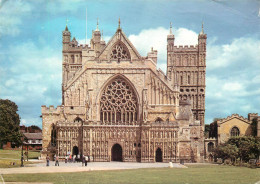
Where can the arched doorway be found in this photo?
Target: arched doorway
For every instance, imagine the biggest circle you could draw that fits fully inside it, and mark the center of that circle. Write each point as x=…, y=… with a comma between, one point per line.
x=158, y=157
x=116, y=153
x=75, y=150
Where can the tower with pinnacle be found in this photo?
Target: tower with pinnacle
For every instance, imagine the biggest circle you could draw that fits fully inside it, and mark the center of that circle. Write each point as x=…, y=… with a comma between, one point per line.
x=186, y=66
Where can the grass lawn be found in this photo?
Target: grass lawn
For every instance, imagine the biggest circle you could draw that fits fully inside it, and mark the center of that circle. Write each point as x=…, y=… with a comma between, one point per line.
x=198, y=174
x=8, y=156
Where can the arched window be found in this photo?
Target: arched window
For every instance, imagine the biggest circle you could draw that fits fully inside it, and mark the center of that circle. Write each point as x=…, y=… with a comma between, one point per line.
x=53, y=136
x=234, y=132
x=77, y=120
x=210, y=146
x=118, y=103
x=188, y=79
x=72, y=59
x=158, y=120
x=119, y=52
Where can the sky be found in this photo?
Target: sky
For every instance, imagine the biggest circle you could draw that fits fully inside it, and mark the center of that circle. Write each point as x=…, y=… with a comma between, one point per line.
x=31, y=46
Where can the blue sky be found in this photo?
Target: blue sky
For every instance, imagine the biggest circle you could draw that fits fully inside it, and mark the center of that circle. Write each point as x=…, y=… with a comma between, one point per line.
x=31, y=36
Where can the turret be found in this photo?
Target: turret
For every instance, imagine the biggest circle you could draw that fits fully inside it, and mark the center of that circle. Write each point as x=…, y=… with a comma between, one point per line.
x=170, y=40
x=202, y=42
x=65, y=39
x=95, y=41
x=170, y=46
x=152, y=55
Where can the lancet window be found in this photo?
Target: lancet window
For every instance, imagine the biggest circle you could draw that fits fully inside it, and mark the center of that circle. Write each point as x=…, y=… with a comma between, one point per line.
x=235, y=132
x=118, y=104
x=119, y=52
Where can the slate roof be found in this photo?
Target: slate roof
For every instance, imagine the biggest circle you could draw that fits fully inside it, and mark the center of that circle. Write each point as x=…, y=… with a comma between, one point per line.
x=33, y=136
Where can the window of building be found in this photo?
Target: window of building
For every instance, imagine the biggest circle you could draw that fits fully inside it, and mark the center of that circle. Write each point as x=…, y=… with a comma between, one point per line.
x=158, y=120
x=77, y=120
x=119, y=52
x=188, y=79
x=118, y=103
x=234, y=132
x=72, y=59
x=181, y=80
x=210, y=146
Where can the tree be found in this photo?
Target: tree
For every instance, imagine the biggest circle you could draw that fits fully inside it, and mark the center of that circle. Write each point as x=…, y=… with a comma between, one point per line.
x=243, y=148
x=206, y=132
x=226, y=151
x=213, y=130
x=9, y=122
x=248, y=147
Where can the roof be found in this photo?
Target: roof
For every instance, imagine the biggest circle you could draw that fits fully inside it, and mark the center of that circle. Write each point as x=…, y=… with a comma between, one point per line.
x=33, y=135
x=241, y=118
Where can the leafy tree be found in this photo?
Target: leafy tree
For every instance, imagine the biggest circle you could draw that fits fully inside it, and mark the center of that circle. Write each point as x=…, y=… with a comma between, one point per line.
x=9, y=122
x=243, y=148
x=213, y=132
x=248, y=146
x=226, y=151
x=207, y=129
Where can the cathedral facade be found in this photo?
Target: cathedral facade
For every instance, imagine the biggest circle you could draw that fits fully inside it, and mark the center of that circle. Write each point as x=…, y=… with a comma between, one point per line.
x=116, y=105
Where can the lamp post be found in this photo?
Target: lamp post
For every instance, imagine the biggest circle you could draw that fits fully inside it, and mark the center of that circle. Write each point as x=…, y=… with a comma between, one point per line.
x=22, y=153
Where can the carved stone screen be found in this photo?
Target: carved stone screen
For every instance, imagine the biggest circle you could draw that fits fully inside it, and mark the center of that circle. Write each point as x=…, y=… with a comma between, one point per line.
x=118, y=104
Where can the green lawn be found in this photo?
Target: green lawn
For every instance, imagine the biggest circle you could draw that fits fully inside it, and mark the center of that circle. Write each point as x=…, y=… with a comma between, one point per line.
x=199, y=174
x=8, y=156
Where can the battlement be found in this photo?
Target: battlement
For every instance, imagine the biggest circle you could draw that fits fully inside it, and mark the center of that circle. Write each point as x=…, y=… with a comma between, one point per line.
x=79, y=47
x=233, y=116
x=251, y=116
x=51, y=109
x=185, y=48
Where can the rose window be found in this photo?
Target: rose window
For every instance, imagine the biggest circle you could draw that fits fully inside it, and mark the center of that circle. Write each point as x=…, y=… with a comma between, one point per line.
x=118, y=103
x=119, y=52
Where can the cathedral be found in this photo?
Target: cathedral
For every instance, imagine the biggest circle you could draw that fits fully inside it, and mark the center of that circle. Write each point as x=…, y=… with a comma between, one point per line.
x=117, y=106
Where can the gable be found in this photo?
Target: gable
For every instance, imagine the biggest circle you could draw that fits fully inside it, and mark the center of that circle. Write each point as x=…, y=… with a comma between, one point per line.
x=234, y=117
x=119, y=48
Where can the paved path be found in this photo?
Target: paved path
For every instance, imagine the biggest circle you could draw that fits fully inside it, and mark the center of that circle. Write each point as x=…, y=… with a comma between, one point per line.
x=77, y=167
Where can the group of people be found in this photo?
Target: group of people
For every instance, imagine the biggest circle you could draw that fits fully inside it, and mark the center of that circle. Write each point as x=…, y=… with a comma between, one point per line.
x=70, y=158
x=56, y=159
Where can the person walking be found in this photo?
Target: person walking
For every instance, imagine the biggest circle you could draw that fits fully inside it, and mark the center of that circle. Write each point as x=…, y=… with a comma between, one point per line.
x=74, y=158
x=70, y=159
x=47, y=160
x=83, y=160
x=78, y=158
x=57, y=161
x=66, y=159
x=86, y=161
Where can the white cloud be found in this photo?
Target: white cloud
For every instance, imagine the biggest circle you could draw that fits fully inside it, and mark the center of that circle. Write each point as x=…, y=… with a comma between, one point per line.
x=157, y=38
x=244, y=50
x=232, y=86
x=32, y=78
x=233, y=80
x=11, y=16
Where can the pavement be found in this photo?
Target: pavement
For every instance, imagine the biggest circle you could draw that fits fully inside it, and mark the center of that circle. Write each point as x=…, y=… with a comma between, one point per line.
x=77, y=167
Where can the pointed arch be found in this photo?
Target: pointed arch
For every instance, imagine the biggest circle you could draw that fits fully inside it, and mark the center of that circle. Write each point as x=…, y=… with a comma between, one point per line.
x=118, y=101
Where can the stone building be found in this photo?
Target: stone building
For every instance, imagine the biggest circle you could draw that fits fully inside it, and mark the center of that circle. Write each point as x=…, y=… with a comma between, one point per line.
x=231, y=126
x=116, y=105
